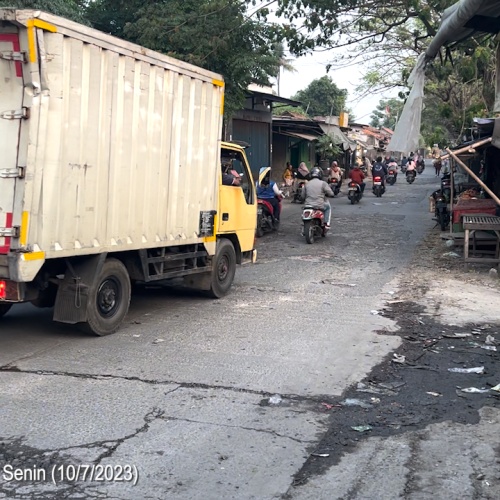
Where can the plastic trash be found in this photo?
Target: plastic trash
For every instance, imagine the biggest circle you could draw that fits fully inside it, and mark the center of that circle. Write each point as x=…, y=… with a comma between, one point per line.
x=322, y=455
x=158, y=341
x=477, y=369
x=435, y=394
x=451, y=254
x=489, y=347
x=356, y=402
x=374, y=312
x=490, y=340
x=475, y=390
x=275, y=399
x=361, y=428
x=496, y=388
x=398, y=358
x=373, y=389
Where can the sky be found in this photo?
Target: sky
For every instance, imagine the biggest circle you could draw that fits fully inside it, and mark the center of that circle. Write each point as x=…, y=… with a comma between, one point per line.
x=313, y=66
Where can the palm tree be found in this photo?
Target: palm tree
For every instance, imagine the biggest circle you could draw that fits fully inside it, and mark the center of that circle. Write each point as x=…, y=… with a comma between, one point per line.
x=283, y=63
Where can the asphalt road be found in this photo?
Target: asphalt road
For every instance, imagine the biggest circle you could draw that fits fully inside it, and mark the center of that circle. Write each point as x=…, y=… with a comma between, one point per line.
x=181, y=393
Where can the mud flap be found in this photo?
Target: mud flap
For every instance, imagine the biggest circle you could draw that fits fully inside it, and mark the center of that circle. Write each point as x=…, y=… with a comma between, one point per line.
x=73, y=292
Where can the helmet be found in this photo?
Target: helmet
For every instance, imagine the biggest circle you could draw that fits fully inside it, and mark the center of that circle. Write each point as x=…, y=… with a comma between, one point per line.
x=316, y=173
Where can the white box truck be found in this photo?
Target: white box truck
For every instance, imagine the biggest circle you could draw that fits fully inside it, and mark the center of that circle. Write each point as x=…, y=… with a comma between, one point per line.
x=111, y=173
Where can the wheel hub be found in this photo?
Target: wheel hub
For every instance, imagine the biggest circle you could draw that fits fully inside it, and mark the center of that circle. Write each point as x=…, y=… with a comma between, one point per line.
x=108, y=297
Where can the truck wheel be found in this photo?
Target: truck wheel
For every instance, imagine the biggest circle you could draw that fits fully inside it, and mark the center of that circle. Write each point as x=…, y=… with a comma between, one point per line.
x=224, y=268
x=4, y=309
x=109, y=300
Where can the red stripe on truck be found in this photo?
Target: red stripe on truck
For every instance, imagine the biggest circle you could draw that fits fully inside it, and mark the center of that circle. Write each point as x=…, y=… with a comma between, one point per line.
x=13, y=38
x=5, y=248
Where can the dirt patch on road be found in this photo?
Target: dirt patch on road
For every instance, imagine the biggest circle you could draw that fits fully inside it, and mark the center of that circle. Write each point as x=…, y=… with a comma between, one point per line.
x=446, y=324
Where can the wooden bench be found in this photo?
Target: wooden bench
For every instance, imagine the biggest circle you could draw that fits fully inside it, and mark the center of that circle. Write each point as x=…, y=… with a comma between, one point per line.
x=480, y=222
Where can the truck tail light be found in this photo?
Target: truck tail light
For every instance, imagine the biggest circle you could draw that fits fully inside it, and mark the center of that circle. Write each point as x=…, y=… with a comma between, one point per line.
x=3, y=289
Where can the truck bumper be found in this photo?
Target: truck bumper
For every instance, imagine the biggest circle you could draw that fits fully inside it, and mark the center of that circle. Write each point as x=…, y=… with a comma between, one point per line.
x=21, y=267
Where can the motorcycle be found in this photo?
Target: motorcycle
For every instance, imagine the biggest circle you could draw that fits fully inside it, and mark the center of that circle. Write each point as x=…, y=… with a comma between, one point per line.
x=266, y=220
x=354, y=192
x=314, y=223
x=446, y=186
x=410, y=176
x=335, y=186
x=392, y=174
x=420, y=166
x=441, y=214
x=378, y=188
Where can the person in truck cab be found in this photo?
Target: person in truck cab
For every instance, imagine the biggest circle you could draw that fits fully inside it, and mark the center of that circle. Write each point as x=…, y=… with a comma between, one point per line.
x=229, y=176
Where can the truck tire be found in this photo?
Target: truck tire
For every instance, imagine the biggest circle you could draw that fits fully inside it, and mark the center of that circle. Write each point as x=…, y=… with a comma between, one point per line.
x=224, y=268
x=109, y=299
x=4, y=309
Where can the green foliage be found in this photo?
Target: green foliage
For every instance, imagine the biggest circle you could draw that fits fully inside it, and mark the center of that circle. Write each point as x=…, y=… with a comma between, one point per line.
x=380, y=118
x=327, y=148
x=281, y=110
x=71, y=9
x=322, y=98
x=217, y=35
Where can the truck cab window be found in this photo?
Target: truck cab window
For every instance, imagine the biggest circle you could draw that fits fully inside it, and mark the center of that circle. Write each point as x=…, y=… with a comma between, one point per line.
x=233, y=160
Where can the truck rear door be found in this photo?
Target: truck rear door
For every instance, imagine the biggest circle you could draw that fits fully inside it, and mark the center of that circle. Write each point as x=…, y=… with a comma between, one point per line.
x=11, y=100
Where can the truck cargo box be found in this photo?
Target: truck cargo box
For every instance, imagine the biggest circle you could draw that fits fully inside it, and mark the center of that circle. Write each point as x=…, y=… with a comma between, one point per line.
x=106, y=146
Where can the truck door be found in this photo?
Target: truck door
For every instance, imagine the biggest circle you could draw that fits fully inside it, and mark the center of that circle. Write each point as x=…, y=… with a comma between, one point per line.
x=11, y=100
x=237, y=204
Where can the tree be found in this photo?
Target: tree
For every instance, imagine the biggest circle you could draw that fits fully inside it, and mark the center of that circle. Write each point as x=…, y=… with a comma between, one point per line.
x=322, y=98
x=71, y=9
x=218, y=35
x=284, y=63
x=387, y=113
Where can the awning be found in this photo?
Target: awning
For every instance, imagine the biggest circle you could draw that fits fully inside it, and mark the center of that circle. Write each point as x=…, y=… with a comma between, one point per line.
x=299, y=135
x=274, y=98
x=337, y=135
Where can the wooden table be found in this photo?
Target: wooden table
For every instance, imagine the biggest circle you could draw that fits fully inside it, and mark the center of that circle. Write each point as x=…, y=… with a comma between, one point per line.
x=480, y=222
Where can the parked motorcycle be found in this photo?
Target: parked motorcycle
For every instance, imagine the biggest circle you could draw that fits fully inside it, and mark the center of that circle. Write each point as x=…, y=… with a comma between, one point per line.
x=446, y=186
x=378, y=188
x=335, y=186
x=314, y=223
x=410, y=176
x=441, y=214
x=354, y=192
x=299, y=193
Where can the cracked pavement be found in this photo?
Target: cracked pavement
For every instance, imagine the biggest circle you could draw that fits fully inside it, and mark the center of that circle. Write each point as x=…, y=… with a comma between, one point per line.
x=183, y=390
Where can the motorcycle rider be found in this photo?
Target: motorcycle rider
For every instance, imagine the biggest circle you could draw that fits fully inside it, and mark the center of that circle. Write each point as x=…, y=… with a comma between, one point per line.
x=268, y=190
x=356, y=175
x=379, y=169
x=391, y=164
x=336, y=173
x=316, y=191
x=411, y=167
